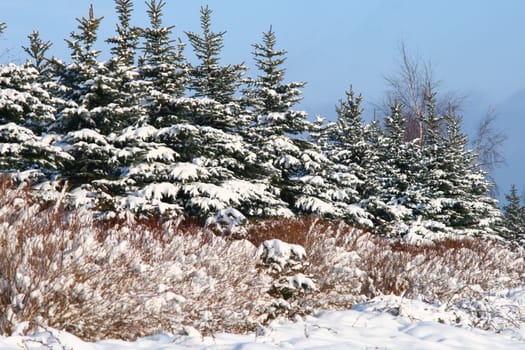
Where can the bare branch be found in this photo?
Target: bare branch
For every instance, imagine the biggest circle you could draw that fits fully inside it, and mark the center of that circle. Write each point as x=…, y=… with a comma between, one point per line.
x=488, y=142
x=488, y=145
x=412, y=86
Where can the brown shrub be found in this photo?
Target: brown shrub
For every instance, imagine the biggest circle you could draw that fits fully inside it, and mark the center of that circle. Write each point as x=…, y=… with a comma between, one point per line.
x=133, y=278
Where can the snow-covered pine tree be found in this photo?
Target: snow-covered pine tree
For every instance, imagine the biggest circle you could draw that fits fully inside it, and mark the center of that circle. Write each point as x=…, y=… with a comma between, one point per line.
x=96, y=91
x=27, y=107
x=208, y=78
x=348, y=146
x=129, y=91
x=514, y=217
x=29, y=156
x=148, y=151
x=122, y=81
x=37, y=51
x=212, y=81
x=2, y=27
x=455, y=192
x=350, y=155
x=87, y=116
x=373, y=134
x=27, y=98
x=164, y=68
x=79, y=79
x=178, y=158
x=269, y=96
x=208, y=159
x=125, y=43
x=277, y=134
x=396, y=170
x=24, y=98
x=143, y=182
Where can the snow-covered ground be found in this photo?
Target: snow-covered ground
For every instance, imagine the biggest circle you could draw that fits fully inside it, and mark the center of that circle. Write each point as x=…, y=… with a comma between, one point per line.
x=387, y=322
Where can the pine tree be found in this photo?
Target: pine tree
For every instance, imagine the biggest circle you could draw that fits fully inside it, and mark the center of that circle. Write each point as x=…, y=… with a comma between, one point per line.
x=208, y=78
x=373, y=135
x=455, y=193
x=279, y=157
x=124, y=45
x=348, y=145
x=351, y=156
x=2, y=27
x=121, y=77
x=163, y=67
x=80, y=79
x=90, y=114
x=271, y=99
x=24, y=99
x=27, y=108
x=29, y=155
x=277, y=133
x=480, y=214
x=181, y=158
x=82, y=42
x=514, y=217
x=397, y=171
x=37, y=50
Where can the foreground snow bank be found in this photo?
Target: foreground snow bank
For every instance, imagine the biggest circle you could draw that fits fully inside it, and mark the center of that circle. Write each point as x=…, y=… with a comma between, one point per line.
x=384, y=323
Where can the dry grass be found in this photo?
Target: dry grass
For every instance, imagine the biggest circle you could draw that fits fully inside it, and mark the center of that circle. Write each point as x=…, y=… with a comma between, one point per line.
x=64, y=269
x=351, y=265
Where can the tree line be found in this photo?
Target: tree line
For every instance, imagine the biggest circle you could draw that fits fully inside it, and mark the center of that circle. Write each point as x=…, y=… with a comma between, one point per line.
x=146, y=131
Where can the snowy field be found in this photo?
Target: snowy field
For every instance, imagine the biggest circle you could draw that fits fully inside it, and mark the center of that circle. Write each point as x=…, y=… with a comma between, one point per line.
x=400, y=324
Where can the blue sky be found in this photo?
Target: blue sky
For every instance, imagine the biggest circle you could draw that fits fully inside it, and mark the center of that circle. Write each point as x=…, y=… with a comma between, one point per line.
x=477, y=47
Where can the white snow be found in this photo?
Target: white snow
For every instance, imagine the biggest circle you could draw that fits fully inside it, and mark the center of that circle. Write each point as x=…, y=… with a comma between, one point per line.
x=281, y=254
x=227, y=220
x=87, y=135
x=386, y=323
x=161, y=153
x=315, y=205
x=159, y=191
x=187, y=171
x=141, y=133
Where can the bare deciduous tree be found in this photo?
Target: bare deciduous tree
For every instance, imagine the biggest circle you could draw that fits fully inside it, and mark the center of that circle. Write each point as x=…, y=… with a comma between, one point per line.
x=488, y=144
x=412, y=86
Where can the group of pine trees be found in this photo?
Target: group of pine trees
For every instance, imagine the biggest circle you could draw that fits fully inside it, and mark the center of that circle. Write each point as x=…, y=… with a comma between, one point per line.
x=149, y=132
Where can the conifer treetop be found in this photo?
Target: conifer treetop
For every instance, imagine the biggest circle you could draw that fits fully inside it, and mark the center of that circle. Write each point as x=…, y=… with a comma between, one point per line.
x=162, y=63
x=268, y=93
x=157, y=35
x=208, y=45
x=208, y=78
x=268, y=59
x=37, y=50
x=349, y=111
x=395, y=124
x=87, y=36
x=126, y=41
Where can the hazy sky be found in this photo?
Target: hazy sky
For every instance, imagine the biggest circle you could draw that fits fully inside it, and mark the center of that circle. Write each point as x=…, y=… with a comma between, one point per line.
x=477, y=47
